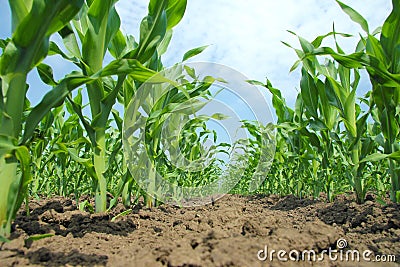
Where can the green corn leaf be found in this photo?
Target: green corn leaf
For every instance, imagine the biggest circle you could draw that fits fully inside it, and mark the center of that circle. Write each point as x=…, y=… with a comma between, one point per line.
x=389, y=125
x=4, y=240
x=191, y=72
x=118, y=45
x=71, y=82
x=61, y=148
x=283, y=112
x=376, y=68
x=46, y=74
x=254, y=82
x=328, y=111
x=219, y=116
x=85, y=162
x=33, y=32
x=299, y=106
x=379, y=156
x=29, y=45
x=78, y=98
x=299, y=53
x=317, y=41
x=70, y=42
x=355, y=16
x=309, y=93
x=361, y=126
x=306, y=45
x=338, y=48
x=43, y=19
x=313, y=138
x=113, y=25
x=3, y=43
x=367, y=147
x=349, y=114
x=163, y=46
x=50, y=100
x=193, y=52
x=28, y=241
x=374, y=48
x=55, y=50
x=24, y=158
x=107, y=103
x=175, y=11
x=124, y=213
x=383, y=96
x=77, y=108
x=152, y=31
x=66, y=10
x=386, y=100
x=81, y=22
x=95, y=40
x=390, y=37
x=317, y=125
x=344, y=75
x=331, y=68
x=118, y=120
x=295, y=65
x=19, y=10
x=356, y=79
x=130, y=67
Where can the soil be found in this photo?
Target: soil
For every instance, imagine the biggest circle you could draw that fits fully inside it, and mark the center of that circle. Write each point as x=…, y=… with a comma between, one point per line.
x=231, y=232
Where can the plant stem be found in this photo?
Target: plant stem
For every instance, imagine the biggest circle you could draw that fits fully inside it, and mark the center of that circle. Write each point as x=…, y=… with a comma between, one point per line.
x=357, y=178
x=100, y=168
x=150, y=200
x=394, y=177
x=15, y=87
x=8, y=174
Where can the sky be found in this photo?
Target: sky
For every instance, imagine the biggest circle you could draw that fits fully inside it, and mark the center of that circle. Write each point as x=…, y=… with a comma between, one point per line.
x=245, y=35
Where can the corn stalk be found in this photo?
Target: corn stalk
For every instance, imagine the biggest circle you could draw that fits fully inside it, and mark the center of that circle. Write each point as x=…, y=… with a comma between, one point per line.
x=381, y=59
x=33, y=22
x=94, y=31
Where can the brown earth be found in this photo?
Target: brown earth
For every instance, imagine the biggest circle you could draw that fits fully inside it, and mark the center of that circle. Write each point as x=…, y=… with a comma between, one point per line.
x=229, y=233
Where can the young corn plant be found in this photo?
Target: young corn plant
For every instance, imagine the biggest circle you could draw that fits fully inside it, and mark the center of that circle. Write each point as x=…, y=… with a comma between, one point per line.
x=380, y=57
x=260, y=143
x=87, y=39
x=336, y=94
x=295, y=150
x=191, y=145
x=33, y=22
x=57, y=140
x=164, y=107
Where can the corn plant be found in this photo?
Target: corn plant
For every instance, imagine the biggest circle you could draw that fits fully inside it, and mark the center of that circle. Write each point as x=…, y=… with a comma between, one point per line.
x=87, y=39
x=249, y=165
x=33, y=22
x=57, y=153
x=170, y=105
x=189, y=144
x=326, y=101
x=380, y=58
x=304, y=145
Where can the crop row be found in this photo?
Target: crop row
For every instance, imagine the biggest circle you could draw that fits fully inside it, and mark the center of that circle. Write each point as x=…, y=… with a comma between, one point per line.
x=332, y=141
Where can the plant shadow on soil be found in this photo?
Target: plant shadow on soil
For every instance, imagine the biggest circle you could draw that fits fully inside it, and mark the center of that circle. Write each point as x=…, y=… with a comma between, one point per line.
x=228, y=233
